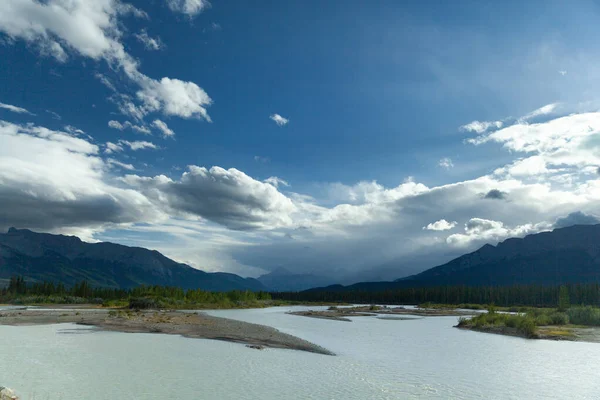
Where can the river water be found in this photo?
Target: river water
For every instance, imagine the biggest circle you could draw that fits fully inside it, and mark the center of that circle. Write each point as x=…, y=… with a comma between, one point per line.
x=377, y=359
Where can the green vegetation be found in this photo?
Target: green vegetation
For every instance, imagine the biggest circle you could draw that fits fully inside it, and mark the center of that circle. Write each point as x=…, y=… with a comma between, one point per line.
x=18, y=292
x=505, y=296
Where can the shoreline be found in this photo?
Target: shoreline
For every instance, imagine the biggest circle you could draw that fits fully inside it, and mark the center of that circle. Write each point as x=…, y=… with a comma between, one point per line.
x=342, y=314
x=189, y=325
x=549, y=332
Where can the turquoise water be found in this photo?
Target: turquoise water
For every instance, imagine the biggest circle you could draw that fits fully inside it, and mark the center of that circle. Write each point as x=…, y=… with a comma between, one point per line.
x=377, y=359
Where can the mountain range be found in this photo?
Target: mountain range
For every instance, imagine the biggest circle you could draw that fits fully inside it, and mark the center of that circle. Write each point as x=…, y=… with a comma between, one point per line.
x=67, y=259
x=565, y=255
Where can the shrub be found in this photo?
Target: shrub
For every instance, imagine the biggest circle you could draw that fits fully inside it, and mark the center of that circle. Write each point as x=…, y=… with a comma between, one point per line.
x=527, y=326
x=559, y=318
x=142, y=303
x=584, y=315
x=543, y=319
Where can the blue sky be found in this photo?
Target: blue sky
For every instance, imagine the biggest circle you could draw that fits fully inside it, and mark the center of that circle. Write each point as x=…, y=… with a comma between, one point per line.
x=373, y=141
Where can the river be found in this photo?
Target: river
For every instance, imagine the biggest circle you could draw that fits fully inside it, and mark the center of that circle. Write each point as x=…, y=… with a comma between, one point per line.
x=376, y=359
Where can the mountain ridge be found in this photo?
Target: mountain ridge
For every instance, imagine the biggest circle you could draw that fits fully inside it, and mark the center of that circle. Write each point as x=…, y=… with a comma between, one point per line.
x=68, y=259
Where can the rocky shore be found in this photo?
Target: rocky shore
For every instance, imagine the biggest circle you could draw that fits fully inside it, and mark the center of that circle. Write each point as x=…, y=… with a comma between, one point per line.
x=191, y=325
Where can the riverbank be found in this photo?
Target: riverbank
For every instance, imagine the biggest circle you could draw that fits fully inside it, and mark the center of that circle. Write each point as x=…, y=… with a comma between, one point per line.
x=343, y=313
x=191, y=325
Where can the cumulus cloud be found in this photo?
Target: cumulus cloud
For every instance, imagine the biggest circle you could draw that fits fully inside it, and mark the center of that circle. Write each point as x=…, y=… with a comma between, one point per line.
x=149, y=42
x=446, y=163
x=279, y=120
x=15, y=109
x=441, y=225
x=175, y=98
x=576, y=218
x=110, y=148
x=479, y=230
x=189, y=7
x=163, y=127
x=228, y=197
x=116, y=125
x=481, y=126
x=91, y=29
x=53, y=180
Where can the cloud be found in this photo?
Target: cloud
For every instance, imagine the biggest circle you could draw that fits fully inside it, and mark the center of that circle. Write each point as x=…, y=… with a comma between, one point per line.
x=275, y=181
x=54, y=115
x=148, y=42
x=116, y=125
x=441, y=225
x=563, y=73
x=73, y=130
x=189, y=7
x=15, y=109
x=139, y=145
x=122, y=126
x=116, y=163
x=51, y=180
x=111, y=148
x=279, y=120
x=545, y=110
x=481, y=126
x=175, y=98
x=227, y=197
x=495, y=194
x=262, y=159
x=479, y=230
x=163, y=127
x=446, y=163
x=576, y=218
x=91, y=29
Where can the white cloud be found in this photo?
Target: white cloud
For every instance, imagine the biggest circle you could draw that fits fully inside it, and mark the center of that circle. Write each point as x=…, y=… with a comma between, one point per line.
x=54, y=115
x=163, y=127
x=139, y=145
x=91, y=29
x=275, y=181
x=279, y=120
x=545, y=110
x=446, y=163
x=112, y=148
x=116, y=163
x=175, y=98
x=52, y=180
x=188, y=7
x=116, y=125
x=122, y=126
x=481, y=126
x=228, y=197
x=262, y=159
x=15, y=109
x=479, y=230
x=441, y=225
x=562, y=72
x=149, y=42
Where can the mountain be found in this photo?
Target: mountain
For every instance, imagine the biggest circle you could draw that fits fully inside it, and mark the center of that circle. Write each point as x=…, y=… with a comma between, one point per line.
x=565, y=255
x=283, y=280
x=67, y=259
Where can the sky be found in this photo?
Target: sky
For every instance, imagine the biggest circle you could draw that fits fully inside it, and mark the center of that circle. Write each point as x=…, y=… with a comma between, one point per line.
x=363, y=140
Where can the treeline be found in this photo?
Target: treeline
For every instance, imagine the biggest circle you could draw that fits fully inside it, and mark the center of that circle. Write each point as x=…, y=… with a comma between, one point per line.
x=518, y=295
x=20, y=292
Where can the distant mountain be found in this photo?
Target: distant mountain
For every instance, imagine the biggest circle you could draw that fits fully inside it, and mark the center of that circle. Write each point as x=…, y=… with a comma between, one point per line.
x=67, y=259
x=282, y=280
x=566, y=255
